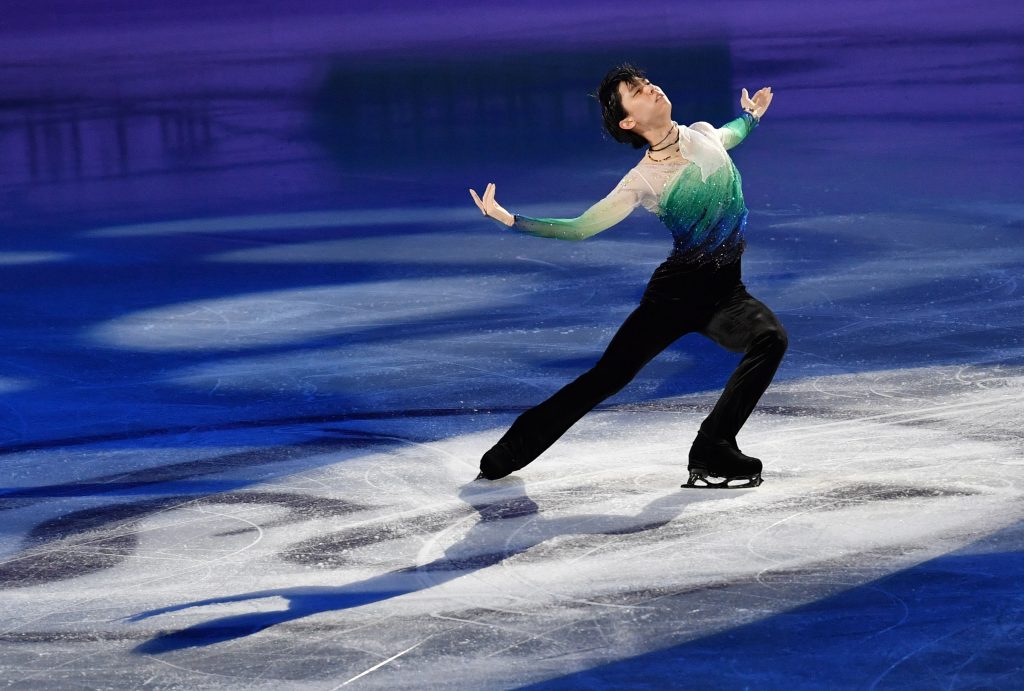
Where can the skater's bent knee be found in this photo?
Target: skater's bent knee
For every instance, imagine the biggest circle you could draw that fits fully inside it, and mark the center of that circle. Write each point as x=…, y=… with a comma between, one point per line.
x=783, y=339
x=774, y=339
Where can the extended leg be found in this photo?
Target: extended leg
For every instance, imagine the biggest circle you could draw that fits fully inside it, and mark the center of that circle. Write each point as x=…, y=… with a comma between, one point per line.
x=646, y=332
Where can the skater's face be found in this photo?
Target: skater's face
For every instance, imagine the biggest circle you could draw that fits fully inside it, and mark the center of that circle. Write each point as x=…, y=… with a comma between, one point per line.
x=644, y=103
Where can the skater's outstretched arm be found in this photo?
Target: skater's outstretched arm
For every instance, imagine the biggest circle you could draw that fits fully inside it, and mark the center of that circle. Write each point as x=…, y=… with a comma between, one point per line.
x=619, y=203
x=732, y=133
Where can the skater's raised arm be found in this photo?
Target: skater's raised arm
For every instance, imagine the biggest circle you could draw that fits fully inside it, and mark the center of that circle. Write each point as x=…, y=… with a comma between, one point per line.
x=619, y=203
x=734, y=132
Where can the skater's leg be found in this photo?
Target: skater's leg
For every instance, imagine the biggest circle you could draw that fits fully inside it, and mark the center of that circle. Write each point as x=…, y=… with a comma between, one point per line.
x=646, y=332
x=743, y=324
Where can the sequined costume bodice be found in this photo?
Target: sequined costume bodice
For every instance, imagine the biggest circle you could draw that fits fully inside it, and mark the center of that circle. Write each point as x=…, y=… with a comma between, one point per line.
x=699, y=199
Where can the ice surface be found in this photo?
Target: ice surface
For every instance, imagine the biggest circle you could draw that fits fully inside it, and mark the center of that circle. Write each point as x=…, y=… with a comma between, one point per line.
x=351, y=542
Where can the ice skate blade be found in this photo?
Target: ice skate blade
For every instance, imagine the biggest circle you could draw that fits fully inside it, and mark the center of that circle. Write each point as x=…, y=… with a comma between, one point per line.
x=699, y=480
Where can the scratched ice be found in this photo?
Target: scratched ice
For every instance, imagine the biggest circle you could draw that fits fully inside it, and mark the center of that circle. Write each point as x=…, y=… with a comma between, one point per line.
x=243, y=398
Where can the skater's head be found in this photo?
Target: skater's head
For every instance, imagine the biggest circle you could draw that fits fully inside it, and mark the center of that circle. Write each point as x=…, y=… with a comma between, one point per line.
x=631, y=105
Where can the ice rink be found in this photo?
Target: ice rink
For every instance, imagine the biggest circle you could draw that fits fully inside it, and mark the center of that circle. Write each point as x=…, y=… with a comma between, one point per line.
x=257, y=336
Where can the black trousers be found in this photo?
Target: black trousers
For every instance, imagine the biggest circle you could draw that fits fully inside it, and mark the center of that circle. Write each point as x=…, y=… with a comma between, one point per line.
x=678, y=300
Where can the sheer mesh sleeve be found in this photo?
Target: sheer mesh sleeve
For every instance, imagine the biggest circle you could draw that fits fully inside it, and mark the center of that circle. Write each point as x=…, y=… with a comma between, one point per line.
x=732, y=133
x=619, y=203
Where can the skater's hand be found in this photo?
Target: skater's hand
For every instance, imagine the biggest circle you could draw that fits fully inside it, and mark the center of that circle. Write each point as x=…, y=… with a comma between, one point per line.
x=489, y=207
x=757, y=105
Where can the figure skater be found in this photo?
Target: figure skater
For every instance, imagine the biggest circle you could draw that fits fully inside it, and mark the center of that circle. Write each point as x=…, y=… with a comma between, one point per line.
x=688, y=180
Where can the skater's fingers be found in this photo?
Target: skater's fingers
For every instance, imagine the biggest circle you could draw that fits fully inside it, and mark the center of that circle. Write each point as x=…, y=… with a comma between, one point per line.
x=479, y=203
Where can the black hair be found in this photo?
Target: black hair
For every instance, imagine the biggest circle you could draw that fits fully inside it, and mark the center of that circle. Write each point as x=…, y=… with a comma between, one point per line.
x=612, y=111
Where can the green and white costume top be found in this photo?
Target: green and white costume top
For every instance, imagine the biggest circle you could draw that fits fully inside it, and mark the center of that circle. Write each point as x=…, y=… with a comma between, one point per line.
x=698, y=198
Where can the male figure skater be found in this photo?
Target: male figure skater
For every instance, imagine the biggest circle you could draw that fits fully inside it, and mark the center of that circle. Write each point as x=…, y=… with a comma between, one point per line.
x=688, y=180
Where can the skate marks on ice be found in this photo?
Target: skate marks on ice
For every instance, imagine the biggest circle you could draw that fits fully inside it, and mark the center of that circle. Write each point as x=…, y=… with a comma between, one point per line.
x=77, y=541
x=847, y=540
x=949, y=622
x=91, y=540
x=591, y=555
x=487, y=543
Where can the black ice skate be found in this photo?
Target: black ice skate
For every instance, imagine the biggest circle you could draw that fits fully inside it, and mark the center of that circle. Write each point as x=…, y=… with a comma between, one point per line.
x=497, y=463
x=717, y=463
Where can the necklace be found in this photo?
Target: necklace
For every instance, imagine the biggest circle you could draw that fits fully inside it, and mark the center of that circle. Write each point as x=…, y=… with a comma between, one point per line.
x=667, y=135
x=669, y=156
x=669, y=145
x=660, y=160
